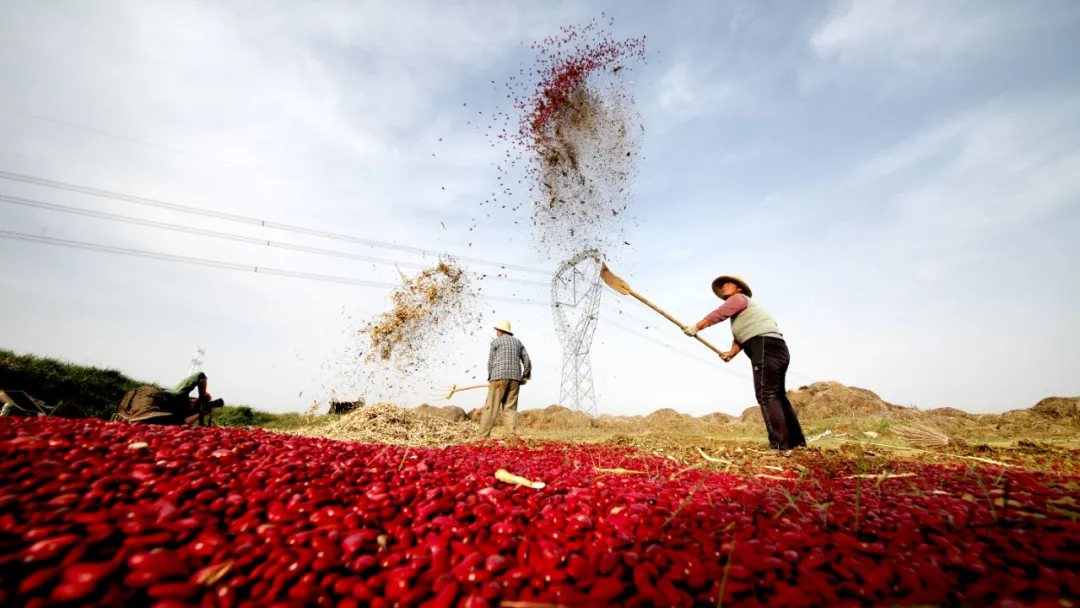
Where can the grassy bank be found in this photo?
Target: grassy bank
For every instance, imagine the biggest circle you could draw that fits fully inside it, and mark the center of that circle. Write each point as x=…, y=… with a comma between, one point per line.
x=244, y=416
x=80, y=391
x=76, y=391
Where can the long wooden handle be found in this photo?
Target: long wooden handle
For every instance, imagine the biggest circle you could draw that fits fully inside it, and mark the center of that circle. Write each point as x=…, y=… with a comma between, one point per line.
x=672, y=319
x=465, y=388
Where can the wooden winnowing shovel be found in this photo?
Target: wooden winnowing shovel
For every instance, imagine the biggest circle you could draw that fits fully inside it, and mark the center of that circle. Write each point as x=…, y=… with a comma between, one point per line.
x=456, y=389
x=622, y=287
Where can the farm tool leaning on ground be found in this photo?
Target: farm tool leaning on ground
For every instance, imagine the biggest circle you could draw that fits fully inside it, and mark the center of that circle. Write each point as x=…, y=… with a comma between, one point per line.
x=153, y=405
x=757, y=333
x=508, y=368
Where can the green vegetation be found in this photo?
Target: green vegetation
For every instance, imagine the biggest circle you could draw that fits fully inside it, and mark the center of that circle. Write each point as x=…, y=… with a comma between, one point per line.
x=289, y=421
x=79, y=391
x=240, y=416
x=76, y=391
x=244, y=416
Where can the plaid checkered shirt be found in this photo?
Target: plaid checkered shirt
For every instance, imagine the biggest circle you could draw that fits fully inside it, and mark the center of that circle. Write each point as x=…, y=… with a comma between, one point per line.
x=507, y=359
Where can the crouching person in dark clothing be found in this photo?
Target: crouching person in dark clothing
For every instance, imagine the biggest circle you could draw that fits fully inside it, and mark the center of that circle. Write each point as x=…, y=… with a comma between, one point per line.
x=756, y=332
x=153, y=405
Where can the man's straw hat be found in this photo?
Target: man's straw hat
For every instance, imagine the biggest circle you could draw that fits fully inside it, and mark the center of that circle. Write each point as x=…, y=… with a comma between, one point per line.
x=504, y=326
x=729, y=278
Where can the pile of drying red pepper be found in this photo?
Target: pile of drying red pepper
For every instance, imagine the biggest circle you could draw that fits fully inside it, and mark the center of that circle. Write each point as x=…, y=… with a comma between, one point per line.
x=101, y=513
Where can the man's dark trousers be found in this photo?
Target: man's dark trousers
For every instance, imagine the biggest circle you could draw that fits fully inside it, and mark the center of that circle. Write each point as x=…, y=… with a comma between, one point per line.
x=770, y=359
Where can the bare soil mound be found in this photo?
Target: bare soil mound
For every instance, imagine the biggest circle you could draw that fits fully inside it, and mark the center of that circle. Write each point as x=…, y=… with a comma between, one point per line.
x=1050, y=416
x=1059, y=408
x=667, y=419
x=554, y=418
x=832, y=399
x=450, y=413
x=717, y=419
x=628, y=424
x=750, y=415
x=951, y=412
x=843, y=408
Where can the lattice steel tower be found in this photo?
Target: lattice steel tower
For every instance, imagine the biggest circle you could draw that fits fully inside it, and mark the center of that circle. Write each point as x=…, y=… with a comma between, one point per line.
x=575, y=302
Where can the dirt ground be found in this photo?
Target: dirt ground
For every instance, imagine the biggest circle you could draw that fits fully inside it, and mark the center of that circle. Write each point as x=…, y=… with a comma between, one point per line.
x=844, y=422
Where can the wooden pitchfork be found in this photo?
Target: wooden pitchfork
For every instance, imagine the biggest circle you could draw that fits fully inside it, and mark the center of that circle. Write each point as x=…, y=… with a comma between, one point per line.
x=623, y=287
x=455, y=389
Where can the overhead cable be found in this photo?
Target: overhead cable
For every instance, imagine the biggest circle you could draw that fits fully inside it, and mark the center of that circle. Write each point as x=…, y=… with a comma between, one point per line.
x=26, y=202
x=45, y=240
x=232, y=217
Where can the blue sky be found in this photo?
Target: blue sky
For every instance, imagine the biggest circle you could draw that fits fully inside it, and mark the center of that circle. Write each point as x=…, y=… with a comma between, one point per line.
x=899, y=182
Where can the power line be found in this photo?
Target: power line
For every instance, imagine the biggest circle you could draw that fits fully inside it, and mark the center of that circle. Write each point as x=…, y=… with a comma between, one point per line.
x=232, y=217
x=647, y=325
x=45, y=240
x=26, y=202
x=56, y=242
x=28, y=179
x=143, y=142
x=672, y=348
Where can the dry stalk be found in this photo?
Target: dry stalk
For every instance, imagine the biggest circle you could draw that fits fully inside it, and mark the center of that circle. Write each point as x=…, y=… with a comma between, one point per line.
x=880, y=476
x=898, y=447
x=723, y=581
x=507, y=477
x=713, y=459
x=689, y=468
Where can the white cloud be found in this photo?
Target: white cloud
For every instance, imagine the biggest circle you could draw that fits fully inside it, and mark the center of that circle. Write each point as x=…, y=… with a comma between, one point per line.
x=888, y=44
x=688, y=90
x=998, y=169
x=904, y=33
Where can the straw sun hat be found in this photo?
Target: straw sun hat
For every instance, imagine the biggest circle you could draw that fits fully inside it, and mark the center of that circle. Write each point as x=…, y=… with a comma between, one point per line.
x=728, y=278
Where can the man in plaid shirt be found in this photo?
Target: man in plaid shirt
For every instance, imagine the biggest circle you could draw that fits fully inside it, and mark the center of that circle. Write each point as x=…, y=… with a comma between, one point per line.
x=508, y=368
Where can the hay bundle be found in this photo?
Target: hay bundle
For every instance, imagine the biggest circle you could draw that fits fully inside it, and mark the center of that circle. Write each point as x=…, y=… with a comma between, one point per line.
x=389, y=424
x=922, y=436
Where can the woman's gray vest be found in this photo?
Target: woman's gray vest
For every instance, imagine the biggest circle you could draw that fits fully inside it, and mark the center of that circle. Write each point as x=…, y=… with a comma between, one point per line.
x=752, y=322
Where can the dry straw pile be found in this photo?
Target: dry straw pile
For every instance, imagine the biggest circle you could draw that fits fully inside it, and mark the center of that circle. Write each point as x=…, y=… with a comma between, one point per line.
x=385, y=423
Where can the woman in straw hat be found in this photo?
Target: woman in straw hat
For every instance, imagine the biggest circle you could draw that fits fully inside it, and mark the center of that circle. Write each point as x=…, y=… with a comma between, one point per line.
x=756, y=332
